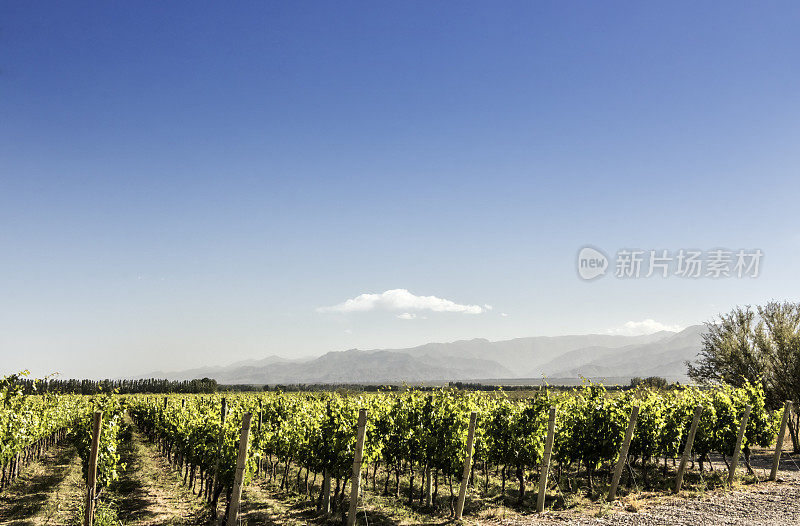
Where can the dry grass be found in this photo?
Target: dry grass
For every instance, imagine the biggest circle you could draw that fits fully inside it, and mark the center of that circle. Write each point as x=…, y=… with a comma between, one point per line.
x=149, y=493
x=48, y=491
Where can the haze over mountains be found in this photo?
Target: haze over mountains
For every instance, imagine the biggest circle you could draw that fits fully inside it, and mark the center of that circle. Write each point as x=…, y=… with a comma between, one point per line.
x=555, y=357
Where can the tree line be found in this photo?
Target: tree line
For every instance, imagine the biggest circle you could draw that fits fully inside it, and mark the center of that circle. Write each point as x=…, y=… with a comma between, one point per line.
x=92, y=387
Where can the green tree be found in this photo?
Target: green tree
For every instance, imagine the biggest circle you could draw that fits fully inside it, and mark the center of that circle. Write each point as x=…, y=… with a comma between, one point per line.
x=730, y=354
x=755, y=346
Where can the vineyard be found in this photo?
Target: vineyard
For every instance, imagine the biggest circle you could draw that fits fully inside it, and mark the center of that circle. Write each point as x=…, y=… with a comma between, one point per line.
x=442, y=454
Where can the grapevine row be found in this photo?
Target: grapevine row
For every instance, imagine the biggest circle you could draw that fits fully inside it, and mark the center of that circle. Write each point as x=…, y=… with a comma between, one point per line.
x=421, y=437
x=29, y=425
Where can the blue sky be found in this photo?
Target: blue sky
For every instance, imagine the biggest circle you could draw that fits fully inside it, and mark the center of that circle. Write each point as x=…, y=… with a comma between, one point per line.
x=188, y=183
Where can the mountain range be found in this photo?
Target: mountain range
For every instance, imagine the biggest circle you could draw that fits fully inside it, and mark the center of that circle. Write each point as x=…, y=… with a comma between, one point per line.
x=553, y=357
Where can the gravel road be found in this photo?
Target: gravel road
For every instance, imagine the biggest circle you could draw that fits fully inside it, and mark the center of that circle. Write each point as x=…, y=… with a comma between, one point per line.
x=772, y=503
x=764, y=503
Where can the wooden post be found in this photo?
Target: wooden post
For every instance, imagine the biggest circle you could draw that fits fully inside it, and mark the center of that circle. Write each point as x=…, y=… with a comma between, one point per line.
x=623, y=454
x=548, y=449
x=687, y=450
x=462, y=493
x=215, y=480
x=326, y=492
x=787, y=409
x=91, y=476
x=260, y=461
x=428, y=487
x=356, y=479
x=737, y=449
x=241, y=460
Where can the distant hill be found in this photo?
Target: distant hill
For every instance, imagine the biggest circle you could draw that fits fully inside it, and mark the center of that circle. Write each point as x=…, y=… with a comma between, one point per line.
x=216, y=371
x=351, y=366
x=526, y=356
x=665, y=357
x=592, y=355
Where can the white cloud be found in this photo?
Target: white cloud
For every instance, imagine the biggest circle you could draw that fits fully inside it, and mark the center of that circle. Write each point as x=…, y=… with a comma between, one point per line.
x=503, y=314
x=488, y=307
x=348, y=331
x=407, y=316
x=638, y=328
x=400, y=300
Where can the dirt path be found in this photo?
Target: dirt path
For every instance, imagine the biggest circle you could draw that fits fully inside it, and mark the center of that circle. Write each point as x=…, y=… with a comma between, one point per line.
x=263, y=504
x=258, y=507
x=47, y=492
x=149, y=493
